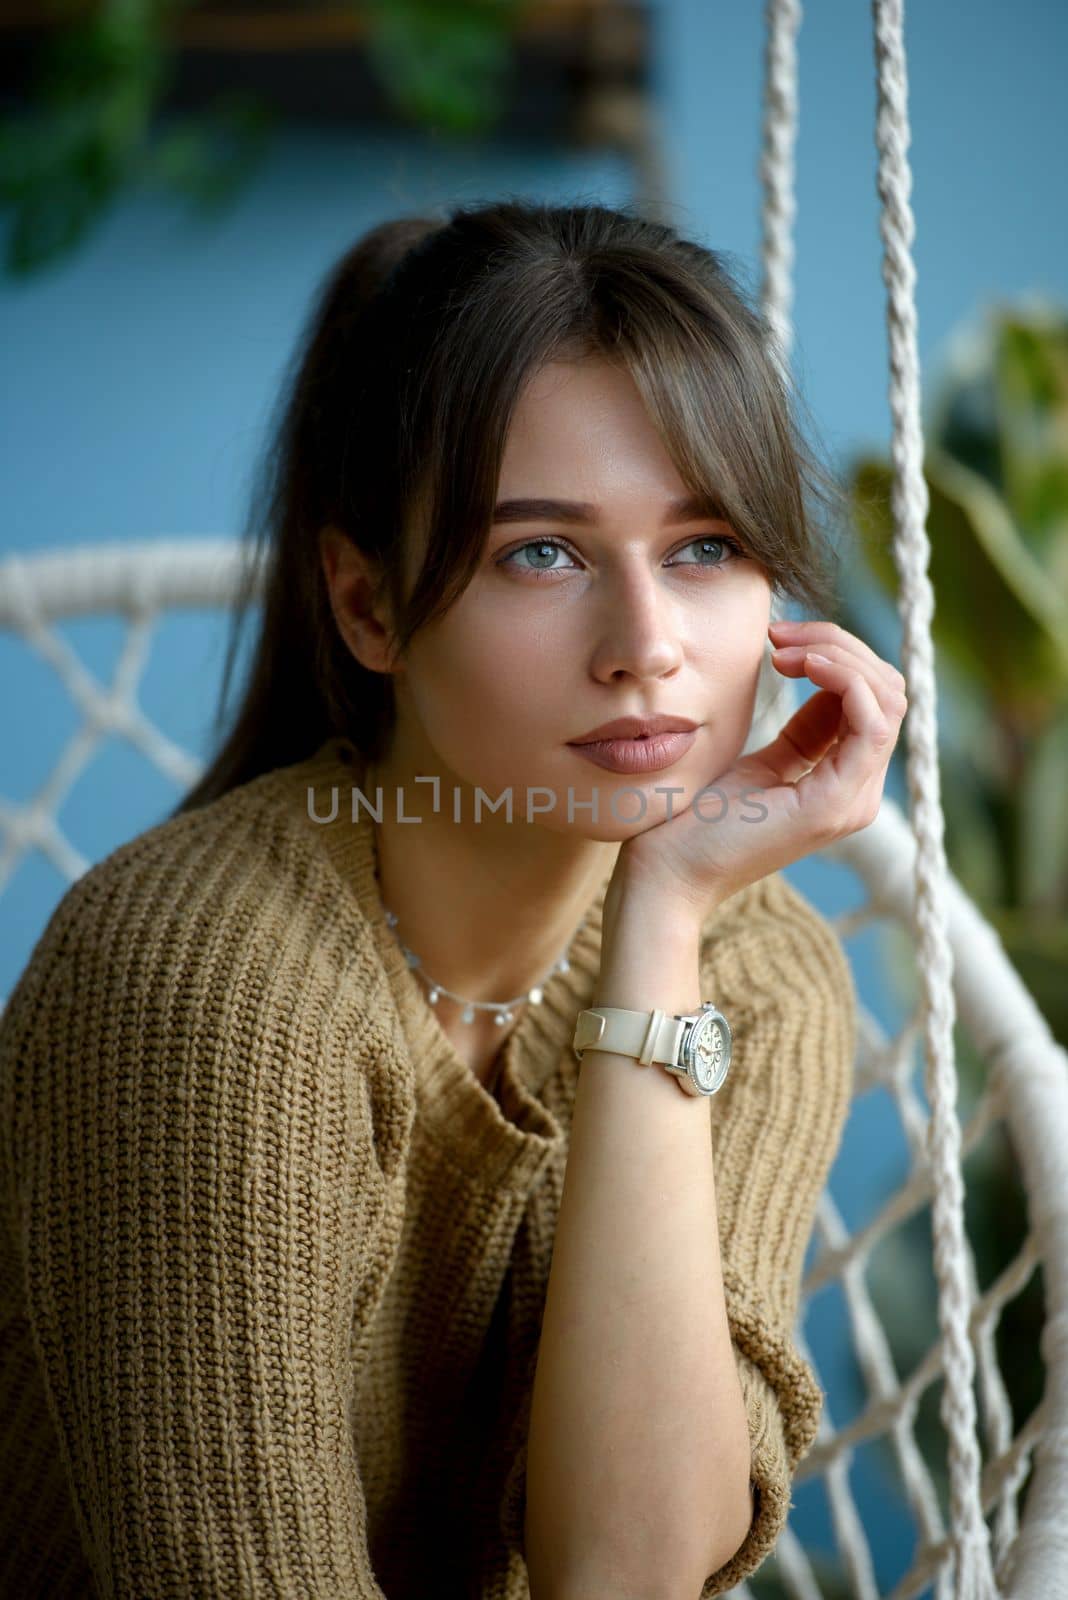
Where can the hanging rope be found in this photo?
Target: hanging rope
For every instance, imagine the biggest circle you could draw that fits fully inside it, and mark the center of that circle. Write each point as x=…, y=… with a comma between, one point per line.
x=912, y=550
x=970, y=1538
x=782, y=20
x=777, y=696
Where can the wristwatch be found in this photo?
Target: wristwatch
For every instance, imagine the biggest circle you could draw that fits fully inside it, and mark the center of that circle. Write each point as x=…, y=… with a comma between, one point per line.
x=694, y=1047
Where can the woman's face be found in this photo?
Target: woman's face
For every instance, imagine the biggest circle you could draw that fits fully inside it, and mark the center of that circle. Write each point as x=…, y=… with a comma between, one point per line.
x=570, y=623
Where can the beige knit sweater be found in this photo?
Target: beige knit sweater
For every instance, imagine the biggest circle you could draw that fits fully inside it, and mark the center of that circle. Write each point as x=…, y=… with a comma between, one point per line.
x=273, y=1261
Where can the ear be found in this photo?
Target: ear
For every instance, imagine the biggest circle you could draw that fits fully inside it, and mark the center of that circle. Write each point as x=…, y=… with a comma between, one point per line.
x=363, y=618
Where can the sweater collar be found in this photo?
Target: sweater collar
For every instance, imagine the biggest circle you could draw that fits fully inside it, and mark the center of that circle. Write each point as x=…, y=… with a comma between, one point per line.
x=496, y=1147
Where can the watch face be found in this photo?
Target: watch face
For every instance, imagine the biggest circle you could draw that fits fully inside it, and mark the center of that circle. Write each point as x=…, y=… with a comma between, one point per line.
x=708, y=1050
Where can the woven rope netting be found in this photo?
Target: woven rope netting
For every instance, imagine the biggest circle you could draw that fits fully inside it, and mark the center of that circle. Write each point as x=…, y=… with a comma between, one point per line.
x=961, y=967
x=990, y=1520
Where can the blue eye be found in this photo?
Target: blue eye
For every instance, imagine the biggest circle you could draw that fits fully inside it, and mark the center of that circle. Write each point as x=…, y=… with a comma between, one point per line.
x=714, y=538
x=541, y=546
x=544, y=546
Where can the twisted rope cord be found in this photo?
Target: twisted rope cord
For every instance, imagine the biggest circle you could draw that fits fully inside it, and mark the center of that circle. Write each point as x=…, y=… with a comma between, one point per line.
x=782, y=18
x=782, y=22
x=970, y=1536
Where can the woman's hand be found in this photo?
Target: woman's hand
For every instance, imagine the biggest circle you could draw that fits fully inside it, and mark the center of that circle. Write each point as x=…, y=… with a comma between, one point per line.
x=819, y=780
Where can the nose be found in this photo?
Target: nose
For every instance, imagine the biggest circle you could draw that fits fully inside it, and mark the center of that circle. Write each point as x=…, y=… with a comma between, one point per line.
x=636, y=633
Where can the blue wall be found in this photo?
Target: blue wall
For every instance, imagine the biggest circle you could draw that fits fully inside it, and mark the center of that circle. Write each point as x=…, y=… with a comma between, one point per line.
x=144, y=368
x=989, y=181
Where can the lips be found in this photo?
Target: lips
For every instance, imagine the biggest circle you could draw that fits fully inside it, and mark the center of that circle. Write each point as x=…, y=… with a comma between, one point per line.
x=651, y=754
x=635, y=728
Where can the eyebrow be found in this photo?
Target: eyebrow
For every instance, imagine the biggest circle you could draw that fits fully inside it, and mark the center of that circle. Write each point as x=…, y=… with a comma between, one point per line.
x=690, y=509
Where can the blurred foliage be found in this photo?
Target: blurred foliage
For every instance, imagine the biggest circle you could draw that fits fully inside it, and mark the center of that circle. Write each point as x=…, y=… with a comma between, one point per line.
x=996, y=466
x=90, y=127
x=444, y=63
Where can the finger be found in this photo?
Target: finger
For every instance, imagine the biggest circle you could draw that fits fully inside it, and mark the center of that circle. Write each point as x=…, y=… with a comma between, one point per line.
x=791, y=659
x=804, y=739
x=816, y=725
x=817, y=635
x=864, y=746
x=884, y=679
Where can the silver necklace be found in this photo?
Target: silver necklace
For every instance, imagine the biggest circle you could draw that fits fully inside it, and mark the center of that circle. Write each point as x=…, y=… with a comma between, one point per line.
x=502, y=1009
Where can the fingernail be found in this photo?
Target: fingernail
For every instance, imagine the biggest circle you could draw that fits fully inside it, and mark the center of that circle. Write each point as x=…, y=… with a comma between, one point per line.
x=824, y=661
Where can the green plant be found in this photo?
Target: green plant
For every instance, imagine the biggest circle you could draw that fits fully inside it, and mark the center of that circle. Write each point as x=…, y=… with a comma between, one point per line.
x=996, y=465
x=444, y=63
x=91, y=126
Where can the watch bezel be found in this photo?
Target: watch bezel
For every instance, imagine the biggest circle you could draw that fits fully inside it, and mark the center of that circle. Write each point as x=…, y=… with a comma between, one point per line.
x=708, y=1017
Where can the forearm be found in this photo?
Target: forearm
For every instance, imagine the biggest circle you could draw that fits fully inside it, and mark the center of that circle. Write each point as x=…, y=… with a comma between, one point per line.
x=638, y=1448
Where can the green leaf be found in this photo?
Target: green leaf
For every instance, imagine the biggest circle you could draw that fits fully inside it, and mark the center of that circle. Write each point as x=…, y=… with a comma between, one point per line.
x=1031, y=377
x=62, y=163
x=1038, y=949
x=208, y=158
x=48, y=223
x=974, y=851
x=996, y=614
x=1042, y=828
x=443, y=64
x=57, y=177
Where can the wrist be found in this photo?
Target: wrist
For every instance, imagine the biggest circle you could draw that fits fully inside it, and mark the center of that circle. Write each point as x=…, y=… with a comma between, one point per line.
x=634, y=903
x=650, y=958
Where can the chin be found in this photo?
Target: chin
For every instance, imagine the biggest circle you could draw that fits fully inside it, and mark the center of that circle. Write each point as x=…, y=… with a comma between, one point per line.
x=608, y=828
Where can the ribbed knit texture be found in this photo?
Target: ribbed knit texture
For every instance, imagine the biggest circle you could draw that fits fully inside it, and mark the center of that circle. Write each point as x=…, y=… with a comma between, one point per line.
x=273, y=1261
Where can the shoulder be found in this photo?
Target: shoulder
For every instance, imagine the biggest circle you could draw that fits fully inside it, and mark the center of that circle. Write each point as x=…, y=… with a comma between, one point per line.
x=234, y=884
x=212, y=967
x=225, y=928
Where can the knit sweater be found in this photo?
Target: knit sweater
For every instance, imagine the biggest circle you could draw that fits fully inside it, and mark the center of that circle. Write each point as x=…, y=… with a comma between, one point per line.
x=273, y=1260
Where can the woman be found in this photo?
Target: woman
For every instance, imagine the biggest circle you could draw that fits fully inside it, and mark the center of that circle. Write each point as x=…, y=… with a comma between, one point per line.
x=301, y=1302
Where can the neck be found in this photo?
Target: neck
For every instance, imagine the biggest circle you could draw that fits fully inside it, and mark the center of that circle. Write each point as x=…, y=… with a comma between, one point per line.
x=487, y=906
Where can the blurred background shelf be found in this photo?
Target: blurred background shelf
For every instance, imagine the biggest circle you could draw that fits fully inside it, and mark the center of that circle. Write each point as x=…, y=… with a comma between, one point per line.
x=574, y=69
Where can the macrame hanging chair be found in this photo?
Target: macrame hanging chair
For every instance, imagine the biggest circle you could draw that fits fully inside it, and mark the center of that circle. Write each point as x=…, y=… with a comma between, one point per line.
x=962, y=968
x=1004, y=1535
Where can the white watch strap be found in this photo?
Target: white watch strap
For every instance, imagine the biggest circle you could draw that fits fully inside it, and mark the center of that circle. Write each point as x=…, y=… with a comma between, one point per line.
x=647, y=1035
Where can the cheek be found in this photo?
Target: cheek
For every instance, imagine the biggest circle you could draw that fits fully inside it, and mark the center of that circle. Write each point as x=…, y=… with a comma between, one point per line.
x=728, y=656
x=729, y=638
x=726, y=659
x=485, y=688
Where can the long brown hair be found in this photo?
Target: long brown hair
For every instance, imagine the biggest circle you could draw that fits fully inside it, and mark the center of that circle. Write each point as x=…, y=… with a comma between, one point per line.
x=396, y=411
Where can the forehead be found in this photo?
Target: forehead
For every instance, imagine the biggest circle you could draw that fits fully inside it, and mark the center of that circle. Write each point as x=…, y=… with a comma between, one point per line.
x=560, y=390
x=580, y=428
